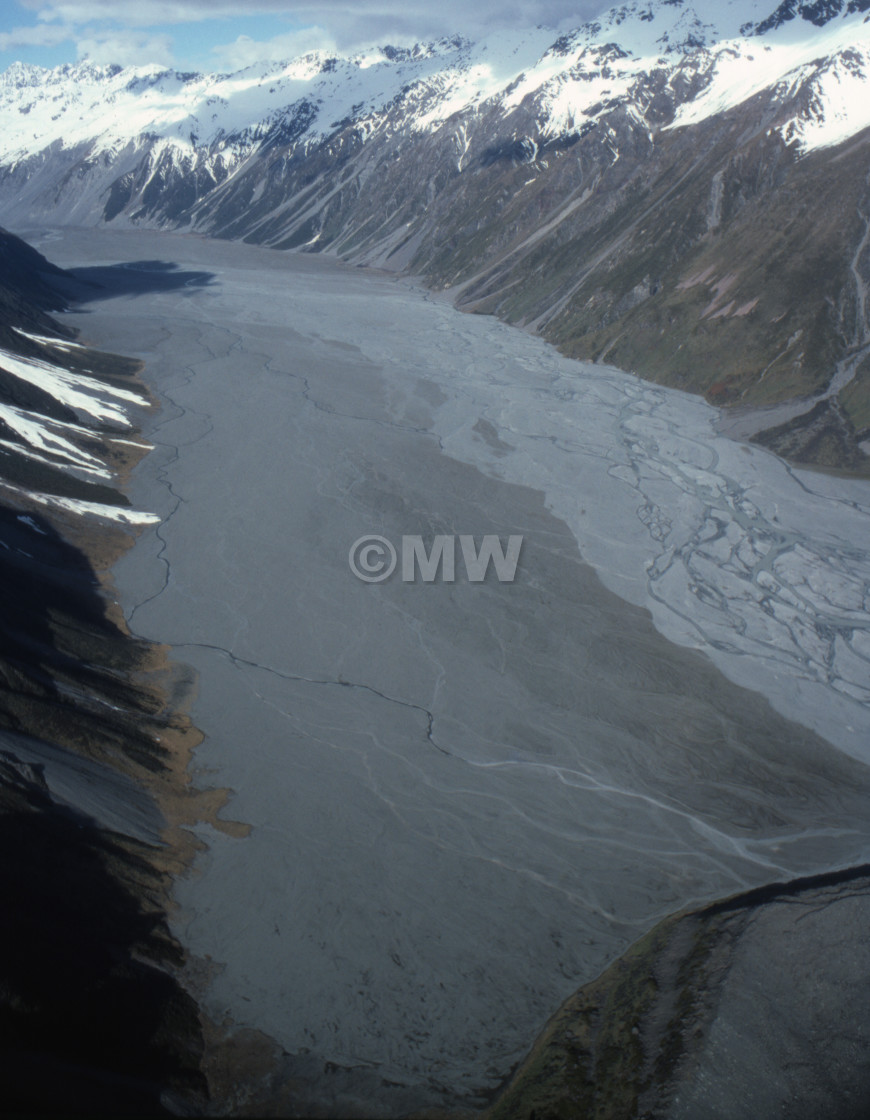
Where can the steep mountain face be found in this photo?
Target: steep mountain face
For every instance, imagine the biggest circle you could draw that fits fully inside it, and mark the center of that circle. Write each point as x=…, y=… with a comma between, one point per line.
x=678, y=189
x=29, y=287
x=65, y=411
x=91, y=1013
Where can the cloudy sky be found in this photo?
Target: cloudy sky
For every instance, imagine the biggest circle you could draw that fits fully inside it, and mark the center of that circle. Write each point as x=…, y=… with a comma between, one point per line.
x=210, y=34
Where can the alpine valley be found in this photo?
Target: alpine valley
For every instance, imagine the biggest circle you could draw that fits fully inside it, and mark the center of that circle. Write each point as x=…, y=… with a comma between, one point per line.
x=284, y=842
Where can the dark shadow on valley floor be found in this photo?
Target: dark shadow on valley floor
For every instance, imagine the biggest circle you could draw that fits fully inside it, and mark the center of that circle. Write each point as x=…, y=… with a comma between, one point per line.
x=132, y=278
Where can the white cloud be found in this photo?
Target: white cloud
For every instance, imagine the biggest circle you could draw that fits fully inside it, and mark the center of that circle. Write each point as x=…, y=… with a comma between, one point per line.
x=146, y=13
x=42, y=35
x=347, y=20
x=126, y=48
x=135, y=31
x=101, y=45
x=245, y=51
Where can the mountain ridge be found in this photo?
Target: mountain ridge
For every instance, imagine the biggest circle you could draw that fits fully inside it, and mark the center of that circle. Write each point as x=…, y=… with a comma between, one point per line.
x=510, y=65
x=598, y=186
x=93, y=741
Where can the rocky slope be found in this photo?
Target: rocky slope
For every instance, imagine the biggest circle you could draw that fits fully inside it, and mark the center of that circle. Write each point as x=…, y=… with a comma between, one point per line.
x=92, y=747
x=679, y=189
x=752, y=1007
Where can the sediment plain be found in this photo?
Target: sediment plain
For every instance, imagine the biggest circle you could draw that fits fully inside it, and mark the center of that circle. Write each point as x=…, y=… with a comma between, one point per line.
x=464, y=799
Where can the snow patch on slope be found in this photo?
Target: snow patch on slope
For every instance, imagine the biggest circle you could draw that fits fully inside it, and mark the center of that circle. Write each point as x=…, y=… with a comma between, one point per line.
x=831, y=66
x=61, y=444
x=119, y=514
x=46, y=441
x=96, y=399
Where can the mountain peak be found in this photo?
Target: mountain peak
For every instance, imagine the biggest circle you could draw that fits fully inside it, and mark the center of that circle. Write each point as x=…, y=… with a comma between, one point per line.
x=817, y=12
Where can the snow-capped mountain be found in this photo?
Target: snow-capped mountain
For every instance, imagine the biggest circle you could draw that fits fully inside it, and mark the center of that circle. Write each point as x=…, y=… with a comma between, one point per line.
x=713, y=60
x=730, y=54
x=674, y=187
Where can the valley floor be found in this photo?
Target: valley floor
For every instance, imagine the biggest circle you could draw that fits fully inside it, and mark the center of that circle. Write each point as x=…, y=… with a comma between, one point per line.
x=464, y=800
